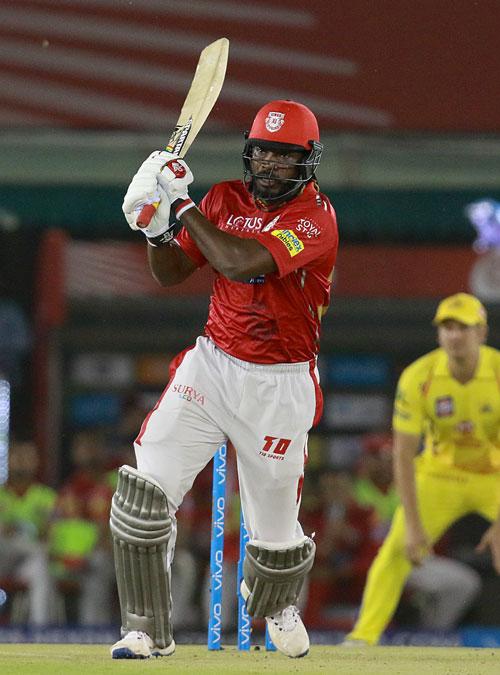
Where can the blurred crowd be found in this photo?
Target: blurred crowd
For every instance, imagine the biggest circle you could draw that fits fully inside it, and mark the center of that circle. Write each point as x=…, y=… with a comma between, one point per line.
x=56, y=561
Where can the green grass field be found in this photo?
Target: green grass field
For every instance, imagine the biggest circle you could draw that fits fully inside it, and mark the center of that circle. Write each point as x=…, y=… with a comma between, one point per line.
x=69, y=659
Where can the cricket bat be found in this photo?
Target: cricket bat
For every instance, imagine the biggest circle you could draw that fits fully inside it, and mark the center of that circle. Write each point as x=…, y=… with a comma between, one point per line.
x=202, y=95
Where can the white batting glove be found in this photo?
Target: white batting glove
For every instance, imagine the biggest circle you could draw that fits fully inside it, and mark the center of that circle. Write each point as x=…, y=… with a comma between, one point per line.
x=174, y=177
x=159, y=230
x=144, y=188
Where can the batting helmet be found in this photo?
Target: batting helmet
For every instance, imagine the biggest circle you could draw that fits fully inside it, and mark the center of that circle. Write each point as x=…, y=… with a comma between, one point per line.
x=286, y=126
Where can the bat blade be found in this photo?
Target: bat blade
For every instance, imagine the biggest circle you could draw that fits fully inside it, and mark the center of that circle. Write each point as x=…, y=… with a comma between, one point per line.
x=203, y=93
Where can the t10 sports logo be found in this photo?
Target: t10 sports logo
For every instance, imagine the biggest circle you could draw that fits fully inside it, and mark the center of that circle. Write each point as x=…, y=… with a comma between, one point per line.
x=275, y=448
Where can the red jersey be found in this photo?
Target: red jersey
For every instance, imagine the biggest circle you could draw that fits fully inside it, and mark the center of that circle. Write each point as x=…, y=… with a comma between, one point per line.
x=272, y=318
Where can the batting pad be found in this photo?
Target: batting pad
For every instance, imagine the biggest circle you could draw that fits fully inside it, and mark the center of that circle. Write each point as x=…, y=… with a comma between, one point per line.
x=274, y=576
x=141, y=528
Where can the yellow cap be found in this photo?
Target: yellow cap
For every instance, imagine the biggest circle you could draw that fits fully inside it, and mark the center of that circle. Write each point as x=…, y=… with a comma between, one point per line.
x=462, y=307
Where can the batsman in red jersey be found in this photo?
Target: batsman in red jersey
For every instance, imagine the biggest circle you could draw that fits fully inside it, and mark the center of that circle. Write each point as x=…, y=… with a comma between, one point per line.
x=251, y=379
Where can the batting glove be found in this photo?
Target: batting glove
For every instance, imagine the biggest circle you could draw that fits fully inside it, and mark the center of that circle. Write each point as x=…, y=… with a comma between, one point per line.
x=159, y=229
x=143, y=188
x=174, y=177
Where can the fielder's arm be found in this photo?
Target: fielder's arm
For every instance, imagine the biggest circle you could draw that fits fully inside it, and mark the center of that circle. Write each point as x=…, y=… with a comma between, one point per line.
x=405, y=448
x=491, y=540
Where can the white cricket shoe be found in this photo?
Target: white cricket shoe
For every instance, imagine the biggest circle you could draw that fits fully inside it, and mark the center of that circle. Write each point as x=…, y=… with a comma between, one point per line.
x=288, y=632
x=138, y=645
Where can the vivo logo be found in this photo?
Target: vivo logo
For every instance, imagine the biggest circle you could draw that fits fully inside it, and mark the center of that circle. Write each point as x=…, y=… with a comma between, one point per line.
x=219, y=519
x=216, y=622
x=221, y=468
x=217, y=573
x=244, y=626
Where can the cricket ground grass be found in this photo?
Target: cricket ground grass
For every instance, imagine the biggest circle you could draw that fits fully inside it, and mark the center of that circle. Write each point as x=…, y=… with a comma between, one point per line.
x=70, y=659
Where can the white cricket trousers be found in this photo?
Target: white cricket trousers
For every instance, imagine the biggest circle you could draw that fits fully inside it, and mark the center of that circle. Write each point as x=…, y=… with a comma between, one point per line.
x=266, y=412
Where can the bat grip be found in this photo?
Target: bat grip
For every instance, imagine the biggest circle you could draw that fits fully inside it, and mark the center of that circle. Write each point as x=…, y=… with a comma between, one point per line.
x=146, y=214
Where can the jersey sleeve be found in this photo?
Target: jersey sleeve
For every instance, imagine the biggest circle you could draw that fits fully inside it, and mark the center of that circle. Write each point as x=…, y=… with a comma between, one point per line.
x=184, y=239
x=408, y=415
x=299, y=239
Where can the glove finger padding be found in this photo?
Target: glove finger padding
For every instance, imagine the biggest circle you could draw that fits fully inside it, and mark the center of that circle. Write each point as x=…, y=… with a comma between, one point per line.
x=161, y=227
x=274, y=575
x=143, y=188
x=134, y=206
x=160, y=221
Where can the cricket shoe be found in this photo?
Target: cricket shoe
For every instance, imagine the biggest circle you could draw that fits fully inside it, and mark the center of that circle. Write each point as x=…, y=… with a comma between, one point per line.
x=138, y=645
x=288, y=633
x=285, y=628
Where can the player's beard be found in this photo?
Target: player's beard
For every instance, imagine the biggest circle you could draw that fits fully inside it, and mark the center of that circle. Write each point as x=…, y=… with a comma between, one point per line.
x=270, y=188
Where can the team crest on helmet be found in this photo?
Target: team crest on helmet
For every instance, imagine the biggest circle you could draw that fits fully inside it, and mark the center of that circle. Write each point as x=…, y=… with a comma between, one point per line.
x=274, y=121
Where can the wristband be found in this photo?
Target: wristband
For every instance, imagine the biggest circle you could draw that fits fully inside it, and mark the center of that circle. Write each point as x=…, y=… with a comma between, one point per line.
x=161, y=239
x=182, y=205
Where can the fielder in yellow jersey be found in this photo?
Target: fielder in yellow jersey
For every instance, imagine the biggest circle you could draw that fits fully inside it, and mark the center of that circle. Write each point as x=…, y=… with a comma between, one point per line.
x=450, y=398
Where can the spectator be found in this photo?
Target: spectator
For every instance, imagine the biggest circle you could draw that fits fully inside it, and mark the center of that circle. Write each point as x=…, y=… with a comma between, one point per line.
x=80, y=544
x=26, y=506
x=345, y=549
x=374, y=483
x=15, y=346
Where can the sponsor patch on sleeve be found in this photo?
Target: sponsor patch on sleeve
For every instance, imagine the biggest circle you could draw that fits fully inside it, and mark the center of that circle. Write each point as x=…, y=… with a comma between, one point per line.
x=291, y=241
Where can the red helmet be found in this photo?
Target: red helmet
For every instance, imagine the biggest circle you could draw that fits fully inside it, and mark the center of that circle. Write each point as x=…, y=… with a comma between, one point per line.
x=290, y=126
x=285, y=122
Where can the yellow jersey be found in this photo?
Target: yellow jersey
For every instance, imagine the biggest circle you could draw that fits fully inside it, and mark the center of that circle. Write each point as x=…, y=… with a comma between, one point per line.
x=460, y=422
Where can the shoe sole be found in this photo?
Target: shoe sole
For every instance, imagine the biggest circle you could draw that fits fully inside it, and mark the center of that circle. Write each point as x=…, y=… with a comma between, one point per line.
x=300, y=656
x=125, y=653
x=160, y=654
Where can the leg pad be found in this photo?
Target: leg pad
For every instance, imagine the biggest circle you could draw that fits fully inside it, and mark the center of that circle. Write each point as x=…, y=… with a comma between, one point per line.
x=141, y=528
x=274, y=575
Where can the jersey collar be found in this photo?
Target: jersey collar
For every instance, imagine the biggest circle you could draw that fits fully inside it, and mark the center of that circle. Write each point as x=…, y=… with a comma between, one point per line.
x=482, y=371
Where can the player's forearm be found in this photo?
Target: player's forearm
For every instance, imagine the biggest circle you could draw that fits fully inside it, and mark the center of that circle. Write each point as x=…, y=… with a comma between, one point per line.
x=405, y=449
x=168, y=264
x=236, y=258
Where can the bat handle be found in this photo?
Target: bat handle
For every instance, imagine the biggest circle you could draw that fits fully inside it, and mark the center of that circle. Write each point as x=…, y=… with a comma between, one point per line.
x=146, y=214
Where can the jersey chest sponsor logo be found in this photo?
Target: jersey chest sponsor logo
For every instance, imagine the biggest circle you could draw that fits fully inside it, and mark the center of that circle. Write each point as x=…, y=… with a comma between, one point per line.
x=188, y=393
x=444, y=406
x=243, y=223
x=271, y=224
x=291, y=241
x=308, y=227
